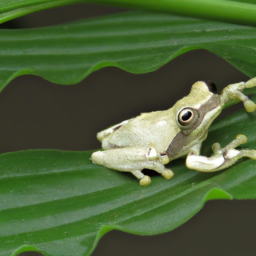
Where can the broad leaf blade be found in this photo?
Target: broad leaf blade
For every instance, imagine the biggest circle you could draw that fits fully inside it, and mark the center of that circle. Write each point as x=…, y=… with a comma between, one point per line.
x=11, y=9
x=136, y=42
x=61, y=203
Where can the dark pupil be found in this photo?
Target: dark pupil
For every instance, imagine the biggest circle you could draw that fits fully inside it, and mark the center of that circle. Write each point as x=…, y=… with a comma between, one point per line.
x=186, y=116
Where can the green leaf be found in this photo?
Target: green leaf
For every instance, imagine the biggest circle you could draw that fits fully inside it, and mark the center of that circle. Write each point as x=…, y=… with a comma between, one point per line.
x=11, y=9
x=240, y=12
x=136, y=42
x=59, y=203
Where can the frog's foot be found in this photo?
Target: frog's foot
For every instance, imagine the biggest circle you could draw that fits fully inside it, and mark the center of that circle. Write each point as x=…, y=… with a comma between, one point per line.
x=240, y=139
x=134, y=160
x=234, y=92
x=222, y=157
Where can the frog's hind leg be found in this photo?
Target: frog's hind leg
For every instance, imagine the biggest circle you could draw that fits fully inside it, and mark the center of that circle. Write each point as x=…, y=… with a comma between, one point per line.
x=222, y=157
x=134, y=160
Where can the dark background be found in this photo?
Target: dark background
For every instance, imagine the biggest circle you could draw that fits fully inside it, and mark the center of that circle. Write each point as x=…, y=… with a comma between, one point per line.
x=35, y=114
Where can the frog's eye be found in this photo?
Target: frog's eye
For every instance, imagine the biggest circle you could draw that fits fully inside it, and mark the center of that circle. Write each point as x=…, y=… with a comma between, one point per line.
x=187, y=116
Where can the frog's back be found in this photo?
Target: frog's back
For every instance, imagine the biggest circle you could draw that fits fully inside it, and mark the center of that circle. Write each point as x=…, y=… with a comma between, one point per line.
x=154, y=129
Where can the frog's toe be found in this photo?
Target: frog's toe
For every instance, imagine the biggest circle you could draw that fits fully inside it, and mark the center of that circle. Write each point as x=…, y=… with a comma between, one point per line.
x=168, y=174
x=251, y=83
x=242, y=138
x=145, y=181
x=251, y=153
x=249, y=105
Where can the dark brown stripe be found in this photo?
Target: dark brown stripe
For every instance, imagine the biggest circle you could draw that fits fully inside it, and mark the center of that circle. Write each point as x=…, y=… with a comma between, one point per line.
x=117, y=127
x=183, y=138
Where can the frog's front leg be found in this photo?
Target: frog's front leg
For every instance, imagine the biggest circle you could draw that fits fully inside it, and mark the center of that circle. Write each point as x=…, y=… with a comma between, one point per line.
x=222, y=157
x=234, y=92
x=134, y=160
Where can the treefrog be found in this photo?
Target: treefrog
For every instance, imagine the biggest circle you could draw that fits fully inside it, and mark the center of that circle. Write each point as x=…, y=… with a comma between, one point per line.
x=152, y=140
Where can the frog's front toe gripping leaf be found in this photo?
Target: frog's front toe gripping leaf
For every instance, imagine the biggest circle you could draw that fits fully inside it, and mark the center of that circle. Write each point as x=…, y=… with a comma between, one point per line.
x=234, y=91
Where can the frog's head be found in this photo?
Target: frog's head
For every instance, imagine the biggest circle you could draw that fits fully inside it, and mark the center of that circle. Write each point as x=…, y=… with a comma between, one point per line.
x=195, y=112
